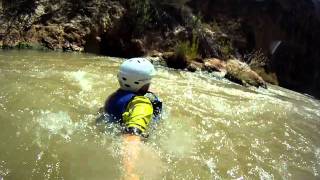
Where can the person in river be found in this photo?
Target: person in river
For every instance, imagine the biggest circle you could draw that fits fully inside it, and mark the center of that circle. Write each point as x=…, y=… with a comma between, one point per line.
x=134, y=107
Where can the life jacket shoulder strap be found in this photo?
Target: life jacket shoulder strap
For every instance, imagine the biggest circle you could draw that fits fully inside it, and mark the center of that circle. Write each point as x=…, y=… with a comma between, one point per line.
x=156, y=104
x=117, y=103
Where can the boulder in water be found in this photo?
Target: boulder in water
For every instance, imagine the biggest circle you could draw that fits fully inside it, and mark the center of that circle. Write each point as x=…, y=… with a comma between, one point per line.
x=195, y=66
x=214, y=64
x=241, y=73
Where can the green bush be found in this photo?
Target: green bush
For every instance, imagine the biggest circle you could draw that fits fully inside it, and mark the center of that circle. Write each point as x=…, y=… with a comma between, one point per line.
x=225, y=46
x=23, y=45
x=140, y=12
x=146, y=14
x=214, y=26
x=188, y=49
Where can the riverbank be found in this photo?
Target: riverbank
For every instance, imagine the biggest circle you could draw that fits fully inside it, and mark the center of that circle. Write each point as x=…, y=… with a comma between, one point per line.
x=183, y=35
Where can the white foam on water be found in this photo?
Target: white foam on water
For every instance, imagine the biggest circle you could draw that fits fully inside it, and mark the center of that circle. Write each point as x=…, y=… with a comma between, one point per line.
x=91, y=85
x=57, y=123
x=316, y=169
x=263, y=175
x=233, y=172
x=211, y=165
x=3, y=170
x=178, y=142
x=81, y=77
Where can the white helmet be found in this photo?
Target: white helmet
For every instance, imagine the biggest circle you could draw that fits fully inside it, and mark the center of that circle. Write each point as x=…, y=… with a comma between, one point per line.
x=135, y=73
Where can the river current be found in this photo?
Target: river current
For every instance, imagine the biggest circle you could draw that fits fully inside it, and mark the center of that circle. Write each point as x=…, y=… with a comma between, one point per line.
x=211, y=128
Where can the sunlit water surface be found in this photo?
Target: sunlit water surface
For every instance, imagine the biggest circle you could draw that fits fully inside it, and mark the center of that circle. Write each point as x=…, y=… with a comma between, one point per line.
x=211, y=128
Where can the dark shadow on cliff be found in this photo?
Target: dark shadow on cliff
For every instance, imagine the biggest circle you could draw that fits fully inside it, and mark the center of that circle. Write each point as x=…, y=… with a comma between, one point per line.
x=296, y=25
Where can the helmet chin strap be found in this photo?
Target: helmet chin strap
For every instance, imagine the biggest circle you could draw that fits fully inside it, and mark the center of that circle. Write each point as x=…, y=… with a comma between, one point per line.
x=144, y=89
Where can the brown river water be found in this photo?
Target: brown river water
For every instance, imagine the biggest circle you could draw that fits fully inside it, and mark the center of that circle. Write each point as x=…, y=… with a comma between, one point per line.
x=211, y=128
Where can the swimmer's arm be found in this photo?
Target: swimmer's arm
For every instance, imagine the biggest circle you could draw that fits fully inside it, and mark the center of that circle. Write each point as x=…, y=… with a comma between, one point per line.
x=138, y=113
x=130, y=157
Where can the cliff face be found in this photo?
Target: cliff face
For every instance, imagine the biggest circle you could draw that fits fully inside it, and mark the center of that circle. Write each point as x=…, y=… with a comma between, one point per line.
x=286, y=31
x=57, y=24
x=122, y=28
